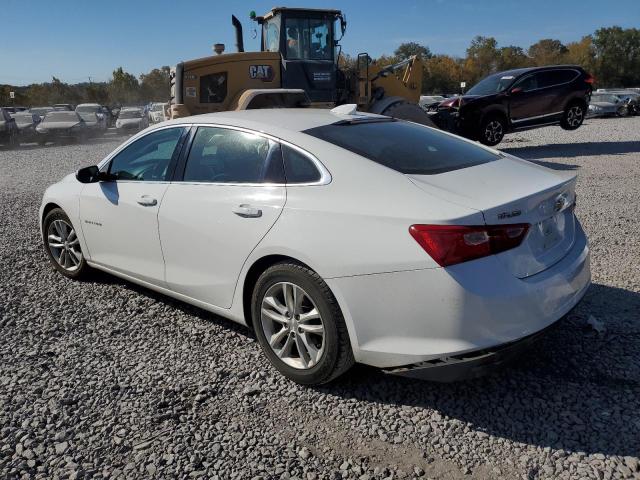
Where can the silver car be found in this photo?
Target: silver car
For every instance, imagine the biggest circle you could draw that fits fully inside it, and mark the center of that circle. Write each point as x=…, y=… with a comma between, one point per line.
x=607, y=105
x=131, y=119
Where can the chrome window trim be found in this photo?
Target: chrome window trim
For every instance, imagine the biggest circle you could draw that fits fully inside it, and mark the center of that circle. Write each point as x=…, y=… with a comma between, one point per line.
x=536, y=117
x=325, y=175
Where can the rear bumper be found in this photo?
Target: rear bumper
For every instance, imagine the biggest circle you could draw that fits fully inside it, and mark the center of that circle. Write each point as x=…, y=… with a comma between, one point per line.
x=405, y=318
x=470, y=365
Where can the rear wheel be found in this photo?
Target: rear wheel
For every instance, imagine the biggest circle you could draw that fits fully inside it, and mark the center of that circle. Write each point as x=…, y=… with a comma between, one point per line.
x=299, y=324
x=622, y=111
x=573, y=116
x=63, y=245
x=492, y=130
x=409, y=111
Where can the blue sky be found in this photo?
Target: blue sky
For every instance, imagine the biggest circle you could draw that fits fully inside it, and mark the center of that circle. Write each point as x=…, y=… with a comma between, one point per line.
x=75, y=39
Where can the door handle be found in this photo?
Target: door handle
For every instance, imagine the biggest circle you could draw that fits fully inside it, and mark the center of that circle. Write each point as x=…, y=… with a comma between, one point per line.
x=147, y=201
x=247, y=211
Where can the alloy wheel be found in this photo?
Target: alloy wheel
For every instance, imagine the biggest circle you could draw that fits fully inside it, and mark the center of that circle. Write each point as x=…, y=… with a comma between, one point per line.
x=574, y=116
x=64, y=245
x=292, y=325
x=493, y=131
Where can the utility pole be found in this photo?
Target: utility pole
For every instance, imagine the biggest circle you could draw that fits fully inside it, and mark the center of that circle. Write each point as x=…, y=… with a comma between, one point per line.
x=89, y=79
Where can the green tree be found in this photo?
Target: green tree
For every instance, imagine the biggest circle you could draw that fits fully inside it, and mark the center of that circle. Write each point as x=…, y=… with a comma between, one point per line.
x=442, y=74
x=547, y=52
x=408, y=49
x=155, y=85
x=123, y=88
x=512, y=57
x=482, y=59
x=617, y=56
x=581, y=53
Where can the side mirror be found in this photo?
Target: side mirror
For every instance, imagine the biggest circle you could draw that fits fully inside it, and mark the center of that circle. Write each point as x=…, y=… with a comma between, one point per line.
x=93, y=174
x=516, y=90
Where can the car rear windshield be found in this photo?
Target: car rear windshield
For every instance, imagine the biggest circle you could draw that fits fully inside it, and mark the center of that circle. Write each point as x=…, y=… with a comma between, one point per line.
x=61, y=116
x=403, y=146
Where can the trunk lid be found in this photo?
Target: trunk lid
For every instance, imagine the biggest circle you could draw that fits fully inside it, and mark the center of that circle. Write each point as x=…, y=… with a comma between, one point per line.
x=511, y=190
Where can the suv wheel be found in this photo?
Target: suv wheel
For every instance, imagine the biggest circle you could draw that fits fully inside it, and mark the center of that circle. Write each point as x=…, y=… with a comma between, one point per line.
x=299, y=324
x=492, y=130
x=573, y=116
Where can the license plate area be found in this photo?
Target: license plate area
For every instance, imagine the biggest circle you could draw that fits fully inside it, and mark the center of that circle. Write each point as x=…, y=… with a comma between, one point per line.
x=550, y=233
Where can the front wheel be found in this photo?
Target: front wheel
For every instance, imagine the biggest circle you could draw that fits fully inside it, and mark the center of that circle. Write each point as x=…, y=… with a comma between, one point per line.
x=573, y=116
x=63, y=245
x=622, y=111
x=492, y=130
x=299, y=325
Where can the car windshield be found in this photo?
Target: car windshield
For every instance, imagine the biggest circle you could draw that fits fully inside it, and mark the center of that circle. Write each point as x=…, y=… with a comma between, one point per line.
x=88, y=108
x=130, y=114
x=492, y=84
x=403, y=146
x=61, y=116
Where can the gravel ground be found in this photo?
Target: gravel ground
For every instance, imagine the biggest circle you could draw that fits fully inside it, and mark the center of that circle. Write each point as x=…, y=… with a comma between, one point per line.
x=103, y=379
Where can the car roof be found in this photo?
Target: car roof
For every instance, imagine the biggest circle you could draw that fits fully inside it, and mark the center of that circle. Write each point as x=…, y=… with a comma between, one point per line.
x=519, y=71
x=276, y=120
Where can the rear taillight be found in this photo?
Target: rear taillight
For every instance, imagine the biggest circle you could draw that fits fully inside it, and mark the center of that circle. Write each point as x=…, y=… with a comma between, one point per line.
x=590, y=79
x=451, y=244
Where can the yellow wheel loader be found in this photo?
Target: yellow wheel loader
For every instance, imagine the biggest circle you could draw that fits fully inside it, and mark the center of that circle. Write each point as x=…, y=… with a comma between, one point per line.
x=297, y=66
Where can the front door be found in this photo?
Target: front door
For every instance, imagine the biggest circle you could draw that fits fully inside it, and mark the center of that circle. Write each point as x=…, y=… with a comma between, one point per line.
x=527, y=101
x=230, y=195
x=119, y=217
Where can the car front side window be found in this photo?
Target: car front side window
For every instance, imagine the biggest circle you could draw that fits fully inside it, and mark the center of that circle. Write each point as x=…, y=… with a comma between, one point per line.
x=148, y=159
x=528, y=83
x=222, y=155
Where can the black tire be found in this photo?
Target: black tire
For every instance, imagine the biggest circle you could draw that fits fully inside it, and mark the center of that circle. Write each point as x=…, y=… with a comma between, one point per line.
x=82, y=269
x=573, y=116
x=337, y=356
x=622, y=111
x=42, y=142
x=492, y=130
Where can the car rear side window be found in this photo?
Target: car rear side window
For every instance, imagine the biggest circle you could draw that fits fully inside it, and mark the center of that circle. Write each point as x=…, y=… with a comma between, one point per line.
x=222, y=155
x=557, y=77
x=403, y=146
x=298, y=167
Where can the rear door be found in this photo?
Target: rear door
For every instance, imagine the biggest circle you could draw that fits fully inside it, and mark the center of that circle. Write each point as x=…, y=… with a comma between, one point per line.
x=230, y=194
x=559, y=88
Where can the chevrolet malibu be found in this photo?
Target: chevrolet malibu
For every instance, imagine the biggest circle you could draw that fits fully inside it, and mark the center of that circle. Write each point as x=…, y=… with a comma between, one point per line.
x=338, y=237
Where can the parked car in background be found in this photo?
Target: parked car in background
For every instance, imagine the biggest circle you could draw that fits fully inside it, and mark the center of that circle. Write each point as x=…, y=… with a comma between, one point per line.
x=131, y=119
x=607, y=105
x=109, y=119
x=26, y=123
x=61, y=125
x=94, y=117
x=430, y=102
x=518, y=99
x=9, y=133
x=157, y=112
x=14, y=109
x=41, y=111
x=63, y=106
x=478, y=253
x=630, y=97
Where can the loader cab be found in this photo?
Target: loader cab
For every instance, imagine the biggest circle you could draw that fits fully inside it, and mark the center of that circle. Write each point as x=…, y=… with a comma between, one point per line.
x=307, y=42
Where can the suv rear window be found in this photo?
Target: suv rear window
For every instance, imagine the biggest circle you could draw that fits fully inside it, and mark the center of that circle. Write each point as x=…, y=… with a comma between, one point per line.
x=403, y=146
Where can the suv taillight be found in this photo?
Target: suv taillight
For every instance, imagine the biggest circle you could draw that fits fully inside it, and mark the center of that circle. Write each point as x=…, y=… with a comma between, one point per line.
x=451, y=244
x=590, y=79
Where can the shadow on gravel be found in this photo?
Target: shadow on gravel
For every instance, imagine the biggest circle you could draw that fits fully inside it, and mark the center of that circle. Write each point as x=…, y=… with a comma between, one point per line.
x=575, y=390
x=580, y=149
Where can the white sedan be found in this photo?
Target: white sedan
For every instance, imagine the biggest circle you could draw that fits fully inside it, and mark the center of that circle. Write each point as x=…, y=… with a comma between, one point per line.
x=338, y=237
